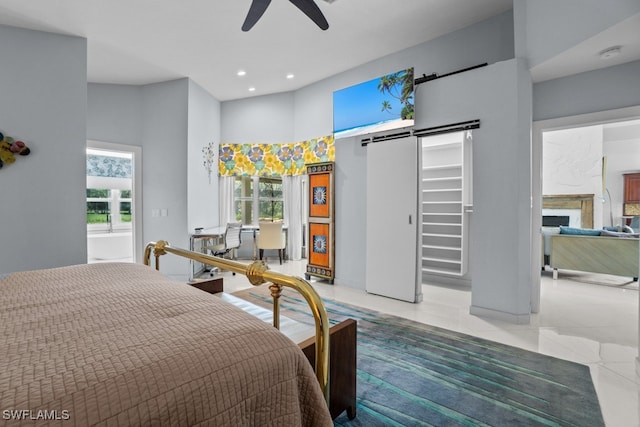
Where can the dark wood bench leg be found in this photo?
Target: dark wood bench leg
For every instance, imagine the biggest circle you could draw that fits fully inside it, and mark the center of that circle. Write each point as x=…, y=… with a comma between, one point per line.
x=351, y=412
x=342, y=366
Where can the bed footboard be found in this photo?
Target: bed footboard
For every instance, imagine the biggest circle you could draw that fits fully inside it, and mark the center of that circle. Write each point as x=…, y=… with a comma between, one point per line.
x=258, y=274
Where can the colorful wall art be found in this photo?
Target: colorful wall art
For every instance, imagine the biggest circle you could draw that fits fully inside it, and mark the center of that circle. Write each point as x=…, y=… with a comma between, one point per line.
x=321, y=219
x=9, y=148
x=376, y=105
x=320, y=198
x=274, y=159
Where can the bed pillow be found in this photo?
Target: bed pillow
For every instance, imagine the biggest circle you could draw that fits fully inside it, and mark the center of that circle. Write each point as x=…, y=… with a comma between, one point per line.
x=619, y=234
x=579, y=231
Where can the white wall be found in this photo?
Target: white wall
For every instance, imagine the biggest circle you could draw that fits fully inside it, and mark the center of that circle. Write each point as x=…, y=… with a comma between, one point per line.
x=171, y=121
x=622, y=148
x=204, y=128
x=572, y=164
x=43, y=83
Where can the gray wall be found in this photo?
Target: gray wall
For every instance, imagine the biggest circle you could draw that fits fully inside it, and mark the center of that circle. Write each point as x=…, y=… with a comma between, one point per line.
x=43, y=83
x=114, y=113
x=488, y=41
x=171, y=121
x=164, y=167
x=260, y=119
x=204, y=128
x=593, y=91
x=157, y=117
x=500, y=96
x=351, y=215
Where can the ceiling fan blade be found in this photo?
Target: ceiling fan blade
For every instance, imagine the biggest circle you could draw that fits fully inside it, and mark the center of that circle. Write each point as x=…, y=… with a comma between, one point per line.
x=256, y=11
x=309, y=8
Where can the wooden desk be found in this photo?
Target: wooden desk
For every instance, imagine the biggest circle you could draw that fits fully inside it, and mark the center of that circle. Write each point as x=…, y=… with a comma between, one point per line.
x=197, y=241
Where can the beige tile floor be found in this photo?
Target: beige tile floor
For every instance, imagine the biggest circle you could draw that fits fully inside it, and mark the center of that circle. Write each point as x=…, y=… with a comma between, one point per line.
x=579, y=320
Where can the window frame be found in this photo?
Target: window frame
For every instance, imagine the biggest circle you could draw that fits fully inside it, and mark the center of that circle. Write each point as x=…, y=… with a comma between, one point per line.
x=114, y=201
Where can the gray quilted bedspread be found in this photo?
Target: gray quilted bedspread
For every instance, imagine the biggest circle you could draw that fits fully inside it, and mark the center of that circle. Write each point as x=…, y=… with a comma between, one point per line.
x=121, y=345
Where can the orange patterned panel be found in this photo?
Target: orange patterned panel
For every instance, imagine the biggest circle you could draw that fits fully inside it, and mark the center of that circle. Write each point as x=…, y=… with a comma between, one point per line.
x=319, y=195
x=319, y=240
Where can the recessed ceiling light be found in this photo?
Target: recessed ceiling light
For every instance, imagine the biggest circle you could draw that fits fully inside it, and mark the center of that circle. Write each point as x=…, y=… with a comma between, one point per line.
x=610, y=52
x=290, y=76
x=241, y=73
x=252, y=89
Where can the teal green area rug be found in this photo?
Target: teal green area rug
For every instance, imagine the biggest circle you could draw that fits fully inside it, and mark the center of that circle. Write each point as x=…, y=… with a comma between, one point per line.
x=412, y=374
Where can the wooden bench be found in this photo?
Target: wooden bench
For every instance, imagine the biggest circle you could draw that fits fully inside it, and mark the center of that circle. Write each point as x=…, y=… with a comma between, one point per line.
x=212, y=286
x=342, y=352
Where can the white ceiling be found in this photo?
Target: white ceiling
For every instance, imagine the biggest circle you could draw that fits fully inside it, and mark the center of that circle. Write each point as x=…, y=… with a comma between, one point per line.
x=148, y=41
x=585, y=56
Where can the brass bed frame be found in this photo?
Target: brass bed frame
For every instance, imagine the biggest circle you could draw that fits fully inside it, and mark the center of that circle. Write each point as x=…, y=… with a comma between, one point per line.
x=258, y=274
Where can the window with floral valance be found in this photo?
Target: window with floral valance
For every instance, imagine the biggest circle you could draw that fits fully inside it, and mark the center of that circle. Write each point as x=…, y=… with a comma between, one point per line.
x=274, y=159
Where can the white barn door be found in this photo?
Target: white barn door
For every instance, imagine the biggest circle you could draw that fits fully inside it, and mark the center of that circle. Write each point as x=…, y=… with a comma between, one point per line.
x=392, y=207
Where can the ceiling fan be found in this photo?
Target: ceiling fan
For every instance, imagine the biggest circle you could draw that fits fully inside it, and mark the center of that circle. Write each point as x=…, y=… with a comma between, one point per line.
x=308, y=7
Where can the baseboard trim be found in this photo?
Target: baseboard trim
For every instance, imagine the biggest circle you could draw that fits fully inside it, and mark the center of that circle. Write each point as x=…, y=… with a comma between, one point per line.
x=519, y=319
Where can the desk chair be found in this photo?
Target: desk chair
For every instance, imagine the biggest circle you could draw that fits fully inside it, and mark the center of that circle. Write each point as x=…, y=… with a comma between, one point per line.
x=271, y=236
x=232, y=240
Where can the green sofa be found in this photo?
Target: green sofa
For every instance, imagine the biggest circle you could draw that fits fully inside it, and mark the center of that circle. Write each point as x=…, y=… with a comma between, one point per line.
x=617, y=255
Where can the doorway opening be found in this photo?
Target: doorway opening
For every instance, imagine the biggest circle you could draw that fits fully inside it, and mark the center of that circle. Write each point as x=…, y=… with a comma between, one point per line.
x=603, y=153
x=446, y=203
x=114, y=232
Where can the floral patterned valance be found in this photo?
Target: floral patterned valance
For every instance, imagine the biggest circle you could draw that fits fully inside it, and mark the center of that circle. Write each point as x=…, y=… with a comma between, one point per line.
x=107, y=166
x=274, y=159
